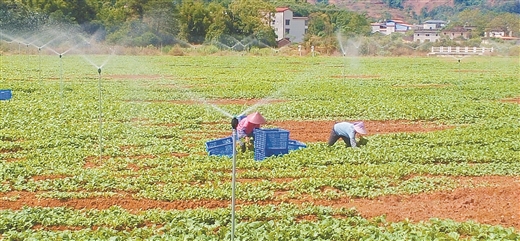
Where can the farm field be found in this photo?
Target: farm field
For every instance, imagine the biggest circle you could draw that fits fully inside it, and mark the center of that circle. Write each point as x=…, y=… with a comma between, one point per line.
x=120, y=154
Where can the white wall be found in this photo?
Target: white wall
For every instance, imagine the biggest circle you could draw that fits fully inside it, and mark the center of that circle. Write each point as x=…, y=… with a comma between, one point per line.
x=296, y=27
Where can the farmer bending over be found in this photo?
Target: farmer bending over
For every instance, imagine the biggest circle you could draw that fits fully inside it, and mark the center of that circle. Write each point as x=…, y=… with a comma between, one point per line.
x=347, y=131
x=246, y=127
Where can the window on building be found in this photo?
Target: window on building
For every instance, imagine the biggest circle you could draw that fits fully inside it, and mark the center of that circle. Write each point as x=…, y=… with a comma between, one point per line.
x=287, y=22
x=427, y=35
x=287, y=31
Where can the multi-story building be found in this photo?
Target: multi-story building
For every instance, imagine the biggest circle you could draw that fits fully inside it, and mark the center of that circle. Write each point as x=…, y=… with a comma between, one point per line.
x=390, y=26
x=428, y=31
x=288, y=27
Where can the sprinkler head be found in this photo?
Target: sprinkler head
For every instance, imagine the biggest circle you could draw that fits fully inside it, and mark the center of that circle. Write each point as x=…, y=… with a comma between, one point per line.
x=234, y=123
x=99, y=70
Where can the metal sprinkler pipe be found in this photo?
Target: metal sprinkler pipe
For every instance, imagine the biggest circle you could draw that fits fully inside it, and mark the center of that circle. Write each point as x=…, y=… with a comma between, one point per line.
x=39, y=65
x=100, y=117
x=234, y=124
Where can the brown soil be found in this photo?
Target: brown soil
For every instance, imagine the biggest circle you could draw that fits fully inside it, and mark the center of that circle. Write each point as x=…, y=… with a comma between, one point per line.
x=319, y=131
x=493, y=200
x=214, y=101
x=471, y=71
x=356, y=76
x=512, y=100
x=422, y=86
x=134, y=76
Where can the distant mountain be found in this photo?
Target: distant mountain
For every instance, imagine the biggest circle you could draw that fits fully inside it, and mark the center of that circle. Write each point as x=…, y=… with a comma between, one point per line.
x=378, y=9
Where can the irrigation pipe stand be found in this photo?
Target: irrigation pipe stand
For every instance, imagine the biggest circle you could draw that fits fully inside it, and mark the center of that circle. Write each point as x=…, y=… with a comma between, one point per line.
x=234, y=124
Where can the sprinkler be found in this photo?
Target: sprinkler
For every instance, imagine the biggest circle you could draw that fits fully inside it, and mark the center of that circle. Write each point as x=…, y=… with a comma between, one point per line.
x=234, y=124
x=100, y=116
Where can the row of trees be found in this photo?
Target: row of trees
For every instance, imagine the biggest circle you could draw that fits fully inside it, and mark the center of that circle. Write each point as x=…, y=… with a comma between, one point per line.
x=161, y=22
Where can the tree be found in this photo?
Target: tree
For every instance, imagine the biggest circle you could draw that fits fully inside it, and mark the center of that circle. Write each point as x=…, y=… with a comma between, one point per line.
x=136, y=8
x=350, y=23
x=194, y=20
x=160, y=16
x=319, y=25
x=220, y=22
x=394, y=3
x=250, y=16
x=507, y=22
x=472, y=17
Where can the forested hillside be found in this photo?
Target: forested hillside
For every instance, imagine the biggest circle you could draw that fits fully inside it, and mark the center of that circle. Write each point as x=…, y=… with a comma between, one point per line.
x=161, y=22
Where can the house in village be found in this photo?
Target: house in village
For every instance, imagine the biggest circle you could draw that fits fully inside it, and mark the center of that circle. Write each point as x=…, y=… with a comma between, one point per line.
x=457, y=33
x=287, y=27
x=390, y=26
x=501, y=33
x=434, y=24
x=429, y=31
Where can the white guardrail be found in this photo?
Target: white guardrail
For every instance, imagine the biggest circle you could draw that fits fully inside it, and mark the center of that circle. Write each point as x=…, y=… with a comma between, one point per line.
x=459, y=50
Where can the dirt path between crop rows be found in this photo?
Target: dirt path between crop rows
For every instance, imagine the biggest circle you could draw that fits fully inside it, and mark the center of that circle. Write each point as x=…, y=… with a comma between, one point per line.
x=319, y=131
x=493, y=200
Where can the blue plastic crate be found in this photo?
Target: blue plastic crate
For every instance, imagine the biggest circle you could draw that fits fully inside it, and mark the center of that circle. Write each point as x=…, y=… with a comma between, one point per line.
x=271, y=138
x=219, y=142
x=270, y=142
x=220, y=147
x=295, y=145
x=222, y=150
x=6, y=94
x=262, y=154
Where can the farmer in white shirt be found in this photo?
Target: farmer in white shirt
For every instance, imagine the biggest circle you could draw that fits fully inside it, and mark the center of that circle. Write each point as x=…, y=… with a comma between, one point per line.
x=347, y=131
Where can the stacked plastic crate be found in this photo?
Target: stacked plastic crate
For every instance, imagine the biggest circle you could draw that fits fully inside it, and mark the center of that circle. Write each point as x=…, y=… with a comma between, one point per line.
x=267, y=142
x=5, y=94
x=295, y=145
x=270, y=142
x=220, y=147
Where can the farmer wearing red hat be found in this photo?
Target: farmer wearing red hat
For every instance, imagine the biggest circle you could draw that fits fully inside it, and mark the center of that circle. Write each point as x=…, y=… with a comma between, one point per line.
x=347, y=131
x=246, y=126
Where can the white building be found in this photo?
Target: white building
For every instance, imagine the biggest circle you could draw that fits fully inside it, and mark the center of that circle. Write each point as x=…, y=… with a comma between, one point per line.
x=434, y=24
x=390, y=26
x=429, y=31
x=286, y=26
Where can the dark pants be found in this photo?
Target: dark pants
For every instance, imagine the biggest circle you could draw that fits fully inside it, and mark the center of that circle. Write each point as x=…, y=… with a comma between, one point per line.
x=334, y=137
x=243, y=142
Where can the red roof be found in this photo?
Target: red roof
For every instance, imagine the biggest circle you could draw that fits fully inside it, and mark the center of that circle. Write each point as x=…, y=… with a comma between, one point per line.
x=282, y=9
